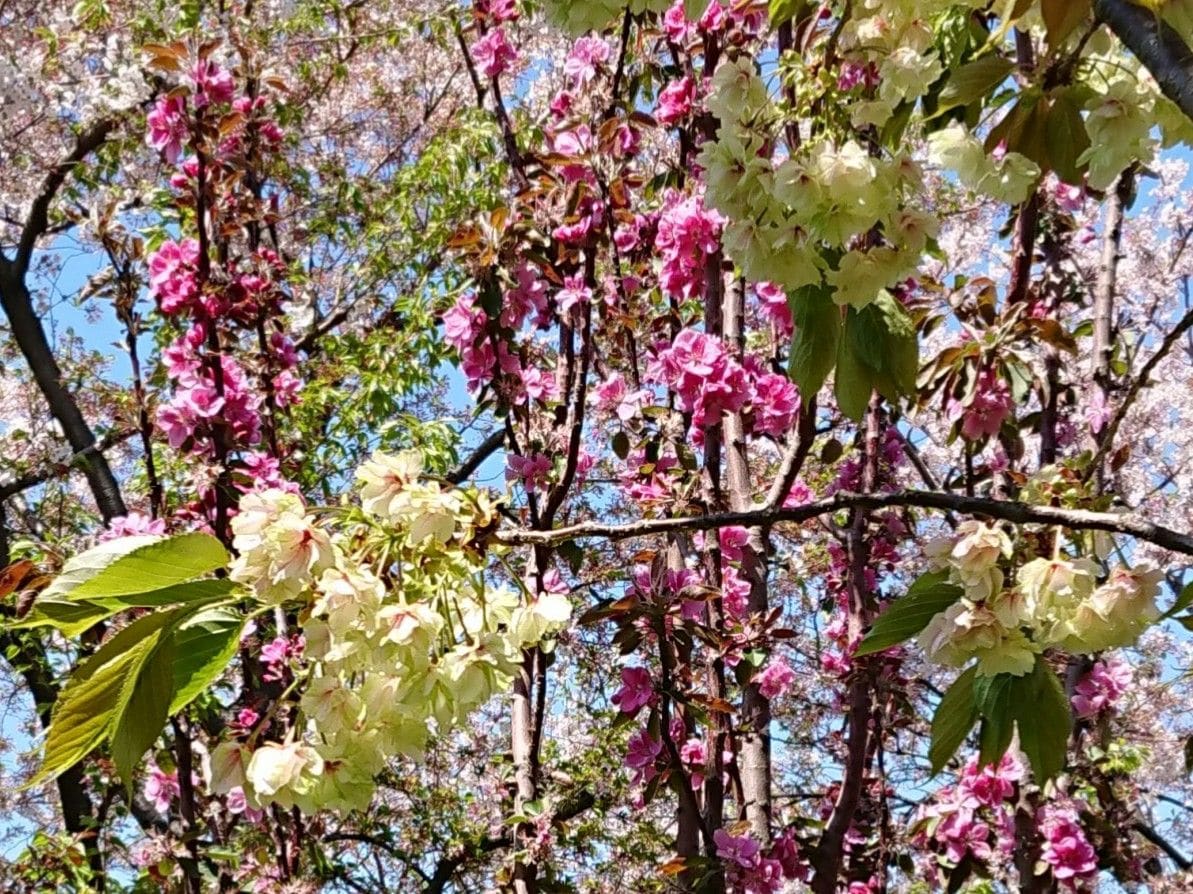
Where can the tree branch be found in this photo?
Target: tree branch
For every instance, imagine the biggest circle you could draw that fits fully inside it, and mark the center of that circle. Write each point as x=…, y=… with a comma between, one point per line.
x=39, y=212
x=569, y=808
x=1007, y=510
x=56, y=470
x=1137, y=386
x=487, y=448
x=1155, y=44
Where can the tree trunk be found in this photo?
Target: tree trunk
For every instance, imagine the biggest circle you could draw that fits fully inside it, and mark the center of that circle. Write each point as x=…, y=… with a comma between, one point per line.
x=31, y=338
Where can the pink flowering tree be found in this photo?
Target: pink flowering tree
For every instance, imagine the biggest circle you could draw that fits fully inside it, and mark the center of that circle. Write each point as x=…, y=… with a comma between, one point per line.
x=716, y=447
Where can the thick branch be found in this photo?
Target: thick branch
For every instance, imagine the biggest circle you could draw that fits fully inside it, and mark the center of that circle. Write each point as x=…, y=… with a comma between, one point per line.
x=1182, y=862
x=1007, y=510
x=56, y=470
x=487, y=448
x=1156, y=45
x=39, y=212
x=31, y=338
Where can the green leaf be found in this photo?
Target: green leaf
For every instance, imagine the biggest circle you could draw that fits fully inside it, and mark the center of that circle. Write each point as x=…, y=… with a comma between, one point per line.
x=82, y=716
x=974, y=80
x=910, y=613
x=69, y=618
x=1044, y=721
x=143, y=629
x=1183, y=601
x=1066, y=137
x=854, y=382
x=992, y=697
x=203, y=647
x=781, y=11
x=142, y=707
x=881, y=338
x=954, y=718
x=147, y=567
x=817, y=333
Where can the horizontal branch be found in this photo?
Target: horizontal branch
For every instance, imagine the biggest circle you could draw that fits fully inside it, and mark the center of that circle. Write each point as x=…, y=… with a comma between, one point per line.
x=57, y=470
x=1005, y=510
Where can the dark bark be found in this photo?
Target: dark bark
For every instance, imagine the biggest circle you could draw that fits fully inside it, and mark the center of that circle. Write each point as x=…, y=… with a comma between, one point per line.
x=35, y=346
x=1156, y=45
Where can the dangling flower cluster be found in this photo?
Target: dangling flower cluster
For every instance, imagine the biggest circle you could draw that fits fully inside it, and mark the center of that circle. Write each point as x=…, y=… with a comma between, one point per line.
x=1066, y=850
x=1101, y=688
x=229, y=302
x=400, y=635
x=1055, y=603
x=709, y=382
x=974, y=818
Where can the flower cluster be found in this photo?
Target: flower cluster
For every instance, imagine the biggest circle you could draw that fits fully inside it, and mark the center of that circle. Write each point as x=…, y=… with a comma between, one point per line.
x=1054, y=603
x=974, y=818
x=708, y=382
x=400, y=633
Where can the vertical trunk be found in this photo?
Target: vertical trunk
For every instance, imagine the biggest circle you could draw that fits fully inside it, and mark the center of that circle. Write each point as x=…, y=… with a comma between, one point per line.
x=522, y=731
x=1103, y=347
x=830, y=853
x=687, y=816
x=754, y=762
x=31, y=339
x=714, y=788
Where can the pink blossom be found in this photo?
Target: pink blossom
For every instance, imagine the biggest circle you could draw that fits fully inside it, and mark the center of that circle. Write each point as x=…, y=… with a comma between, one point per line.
x=1104, y=685
x=277, y=654
x=962, y=834
x=530, y=294
x=735, y=594
x=173, y=271
x=643, y=749
x=676, y=25
x=776, y=403
x=775, y=679
x=687, y=234
x=1097, y=410
x=989, y=786
x=246, y=719
x=168, y=126
x=986, y=412
x=132, y=524
x=498, y=10
x=731, y=540
x=626, y=140
x=706, y=379
x=636, y=690
x=532, y=470
x=739, y=849
x=160, y=788
x=573, y=294
x=854, y=74
x=799, y=495
x=1066, y=849
x=463, y=322
x=773, y=306
x=561, y=104
x=493, y=53
x=212, y=83
x=238, y=804
x=675, y=101
x=587, y=56
x=574, y=142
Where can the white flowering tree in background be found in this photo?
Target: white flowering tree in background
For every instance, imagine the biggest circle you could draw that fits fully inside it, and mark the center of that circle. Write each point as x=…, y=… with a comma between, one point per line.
x=702, y=446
